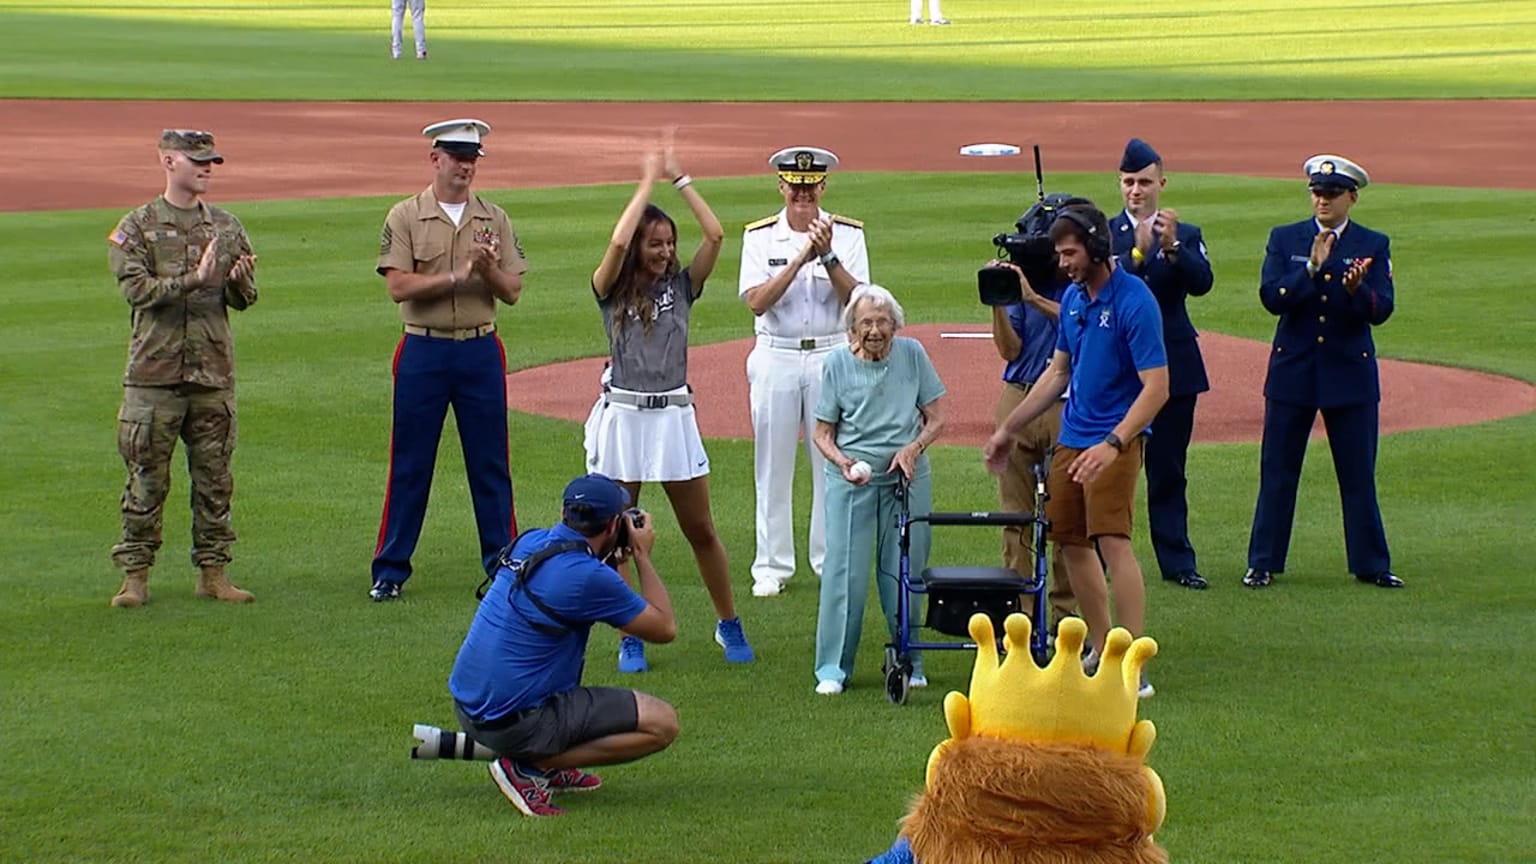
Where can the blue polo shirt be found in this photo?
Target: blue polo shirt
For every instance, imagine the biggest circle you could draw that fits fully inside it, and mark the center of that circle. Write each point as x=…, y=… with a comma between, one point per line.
x=1110, y=340
x=506, y=664
x=1038, y=333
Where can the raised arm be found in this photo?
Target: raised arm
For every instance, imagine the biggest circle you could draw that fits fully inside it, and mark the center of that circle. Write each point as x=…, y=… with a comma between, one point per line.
x=708, y=253
x=607, y=272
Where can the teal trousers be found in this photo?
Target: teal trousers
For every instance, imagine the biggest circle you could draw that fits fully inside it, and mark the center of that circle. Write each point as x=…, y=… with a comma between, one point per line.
x=861, y=531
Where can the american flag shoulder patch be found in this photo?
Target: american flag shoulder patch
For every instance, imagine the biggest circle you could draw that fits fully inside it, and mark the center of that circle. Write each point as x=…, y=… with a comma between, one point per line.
x=117, y=237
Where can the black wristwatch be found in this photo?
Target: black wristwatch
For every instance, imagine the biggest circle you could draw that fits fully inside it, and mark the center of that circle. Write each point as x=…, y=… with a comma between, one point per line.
x=1114, y=441
x=829, y=260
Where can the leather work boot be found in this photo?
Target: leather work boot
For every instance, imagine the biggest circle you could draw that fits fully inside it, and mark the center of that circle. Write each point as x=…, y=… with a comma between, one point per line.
x=135, y=590
x=213, y=584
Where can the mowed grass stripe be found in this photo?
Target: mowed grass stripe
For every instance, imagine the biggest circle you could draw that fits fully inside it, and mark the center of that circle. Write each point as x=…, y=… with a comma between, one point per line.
x=708, y=51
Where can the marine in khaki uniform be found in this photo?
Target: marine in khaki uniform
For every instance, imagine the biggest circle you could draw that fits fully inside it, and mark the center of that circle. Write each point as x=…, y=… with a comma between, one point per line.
x=448, y=258
x=181, y=264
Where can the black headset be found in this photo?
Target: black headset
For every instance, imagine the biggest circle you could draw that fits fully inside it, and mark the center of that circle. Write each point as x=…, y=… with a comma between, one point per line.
x=1095, y=230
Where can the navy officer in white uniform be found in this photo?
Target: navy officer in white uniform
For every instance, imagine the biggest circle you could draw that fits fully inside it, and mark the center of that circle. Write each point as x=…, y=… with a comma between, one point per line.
x=798, y=269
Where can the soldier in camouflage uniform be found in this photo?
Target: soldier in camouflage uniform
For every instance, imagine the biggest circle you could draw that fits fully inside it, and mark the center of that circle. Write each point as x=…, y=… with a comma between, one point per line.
x=181, y=264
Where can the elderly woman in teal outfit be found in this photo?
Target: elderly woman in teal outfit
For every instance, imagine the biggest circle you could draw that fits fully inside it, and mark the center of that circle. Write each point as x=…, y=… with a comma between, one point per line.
x=879, y=405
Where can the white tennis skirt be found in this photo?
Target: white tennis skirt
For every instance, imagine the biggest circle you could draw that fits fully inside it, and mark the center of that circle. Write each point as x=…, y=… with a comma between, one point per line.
x=645, y=445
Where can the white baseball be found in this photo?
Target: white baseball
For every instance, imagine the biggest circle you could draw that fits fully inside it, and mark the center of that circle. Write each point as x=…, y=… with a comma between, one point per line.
x=860, y=470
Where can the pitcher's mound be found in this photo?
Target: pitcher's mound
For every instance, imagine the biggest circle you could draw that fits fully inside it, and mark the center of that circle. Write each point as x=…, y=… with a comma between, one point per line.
x=1414, y=395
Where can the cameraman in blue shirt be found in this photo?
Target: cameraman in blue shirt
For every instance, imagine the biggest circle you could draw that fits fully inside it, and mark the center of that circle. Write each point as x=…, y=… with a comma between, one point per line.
x=1109, y=348
x=516, y=684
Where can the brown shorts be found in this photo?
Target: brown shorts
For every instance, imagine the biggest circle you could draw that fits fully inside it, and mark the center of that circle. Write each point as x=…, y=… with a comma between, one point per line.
x=1080, y=513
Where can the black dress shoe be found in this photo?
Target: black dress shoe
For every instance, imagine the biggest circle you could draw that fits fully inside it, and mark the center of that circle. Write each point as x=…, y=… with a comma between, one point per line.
x=1384, y=579
x=1258, y=578
x=1189, y=579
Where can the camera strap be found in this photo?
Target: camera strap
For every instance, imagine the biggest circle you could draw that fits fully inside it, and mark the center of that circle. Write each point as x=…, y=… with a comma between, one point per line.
x=522, y=572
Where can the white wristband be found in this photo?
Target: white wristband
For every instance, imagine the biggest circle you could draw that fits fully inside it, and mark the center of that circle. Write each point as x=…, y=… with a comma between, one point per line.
x=682, y=181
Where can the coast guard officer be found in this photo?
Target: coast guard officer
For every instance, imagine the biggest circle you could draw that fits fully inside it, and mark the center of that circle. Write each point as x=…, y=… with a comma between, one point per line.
x=798, y=269
x=1169, y=256
x=1330, y=281
x=447, y=256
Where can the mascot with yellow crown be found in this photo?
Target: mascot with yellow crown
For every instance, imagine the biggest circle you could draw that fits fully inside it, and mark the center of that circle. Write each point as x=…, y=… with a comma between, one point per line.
x=1042, y=766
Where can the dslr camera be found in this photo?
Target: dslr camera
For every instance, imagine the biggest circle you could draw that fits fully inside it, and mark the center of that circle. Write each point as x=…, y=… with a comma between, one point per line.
x=1030, y=248
x=622, y=538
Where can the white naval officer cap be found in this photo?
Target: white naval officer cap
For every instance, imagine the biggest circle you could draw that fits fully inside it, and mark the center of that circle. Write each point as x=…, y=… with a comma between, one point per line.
x=1327, y=171
x=803, y=166
x=459, y=137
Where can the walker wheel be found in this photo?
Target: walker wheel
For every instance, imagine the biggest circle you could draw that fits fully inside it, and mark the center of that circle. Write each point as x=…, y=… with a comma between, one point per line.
x=898, y=683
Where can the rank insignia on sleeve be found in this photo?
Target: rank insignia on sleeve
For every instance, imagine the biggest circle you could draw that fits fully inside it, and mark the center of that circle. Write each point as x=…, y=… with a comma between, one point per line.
x=385, y=239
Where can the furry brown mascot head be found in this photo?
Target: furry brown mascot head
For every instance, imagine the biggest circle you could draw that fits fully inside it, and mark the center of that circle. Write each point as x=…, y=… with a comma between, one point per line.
x=1043, y=766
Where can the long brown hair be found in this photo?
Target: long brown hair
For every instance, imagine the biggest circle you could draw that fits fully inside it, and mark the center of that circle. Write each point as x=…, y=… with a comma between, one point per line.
x=631, y=292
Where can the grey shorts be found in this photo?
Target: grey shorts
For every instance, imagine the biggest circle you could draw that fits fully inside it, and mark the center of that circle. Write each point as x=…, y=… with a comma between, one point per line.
x=562, y=722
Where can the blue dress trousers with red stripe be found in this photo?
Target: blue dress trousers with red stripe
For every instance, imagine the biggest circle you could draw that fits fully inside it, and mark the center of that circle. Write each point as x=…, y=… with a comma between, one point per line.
x=430, y=375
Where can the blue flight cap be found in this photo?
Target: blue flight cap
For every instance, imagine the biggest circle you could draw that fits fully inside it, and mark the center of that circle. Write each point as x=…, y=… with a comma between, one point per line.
x=1138, y=155
x=600, y=496
x=1327, y=171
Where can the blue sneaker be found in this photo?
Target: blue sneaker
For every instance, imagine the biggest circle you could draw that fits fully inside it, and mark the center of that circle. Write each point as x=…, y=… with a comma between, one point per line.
x=729, y=636
x=632, y=655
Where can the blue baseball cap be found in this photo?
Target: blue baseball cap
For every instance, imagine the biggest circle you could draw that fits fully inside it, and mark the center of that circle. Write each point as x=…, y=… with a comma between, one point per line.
x=1138, y=155
x=602, y=497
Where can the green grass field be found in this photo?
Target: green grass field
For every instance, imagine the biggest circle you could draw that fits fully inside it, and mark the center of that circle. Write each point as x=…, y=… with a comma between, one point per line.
x=1321, y=721
x=711, y=50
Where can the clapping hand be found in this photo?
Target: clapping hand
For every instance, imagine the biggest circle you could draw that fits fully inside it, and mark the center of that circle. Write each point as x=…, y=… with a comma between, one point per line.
x=244, y=269
x=669, y=155
x=1322, y=249
x=1355, y=274
x=205, y=275
x=1166, y=224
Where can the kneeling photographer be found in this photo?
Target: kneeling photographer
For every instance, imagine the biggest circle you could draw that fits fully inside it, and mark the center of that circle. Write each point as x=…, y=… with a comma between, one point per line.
x=1024, y=291
x=516, y=684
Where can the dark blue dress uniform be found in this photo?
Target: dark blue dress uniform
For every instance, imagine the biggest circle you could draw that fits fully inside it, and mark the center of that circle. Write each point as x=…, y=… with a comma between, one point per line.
x=1172, y=278
x=1323, y=359
x=1186, y=273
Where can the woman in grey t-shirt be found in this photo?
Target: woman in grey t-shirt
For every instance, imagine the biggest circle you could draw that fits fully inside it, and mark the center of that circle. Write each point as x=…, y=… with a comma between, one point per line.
x=643, y=428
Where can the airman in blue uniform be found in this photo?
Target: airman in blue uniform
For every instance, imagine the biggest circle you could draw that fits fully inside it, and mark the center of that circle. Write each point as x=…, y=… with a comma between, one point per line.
x=1169, y=255
x=1329, y=279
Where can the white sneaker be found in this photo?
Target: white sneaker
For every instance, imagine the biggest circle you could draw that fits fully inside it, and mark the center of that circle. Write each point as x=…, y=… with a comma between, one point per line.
x=829, y=688
x=915, y=21
x=940, y=22
x=765, y=589
x=1091, y=663
x=917, y=680
x=1145, y=690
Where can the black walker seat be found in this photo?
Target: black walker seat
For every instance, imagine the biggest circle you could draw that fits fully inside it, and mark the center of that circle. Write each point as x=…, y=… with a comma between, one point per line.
x=957, y=593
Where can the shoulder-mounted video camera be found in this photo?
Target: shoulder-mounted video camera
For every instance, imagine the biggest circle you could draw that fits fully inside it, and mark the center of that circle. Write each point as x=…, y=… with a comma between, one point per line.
x=1030, y=247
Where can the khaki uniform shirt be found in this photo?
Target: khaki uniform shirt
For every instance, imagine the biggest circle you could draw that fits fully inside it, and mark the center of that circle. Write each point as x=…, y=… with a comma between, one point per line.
x=419, y=237
x=181, y=334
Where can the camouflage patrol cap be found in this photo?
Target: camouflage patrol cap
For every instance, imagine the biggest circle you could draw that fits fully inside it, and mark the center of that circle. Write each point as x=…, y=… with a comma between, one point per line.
x=197, y=145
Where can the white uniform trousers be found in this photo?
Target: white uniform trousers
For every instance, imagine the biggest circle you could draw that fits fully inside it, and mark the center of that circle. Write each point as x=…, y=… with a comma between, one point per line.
x=784, y=386
x=397, y=25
